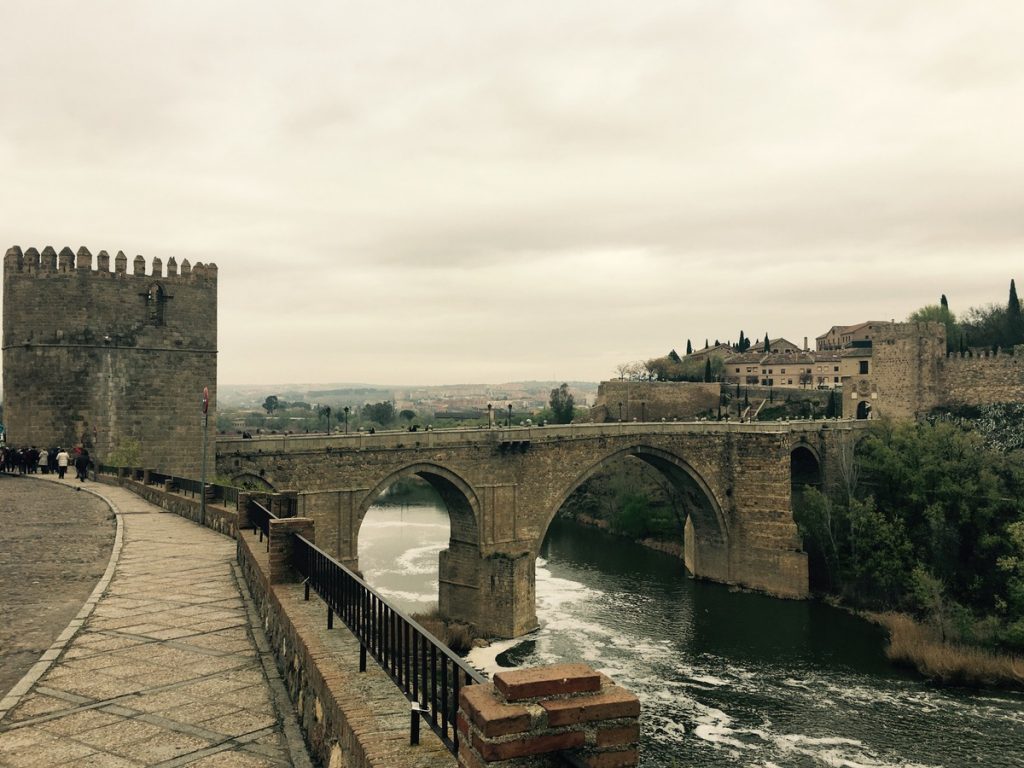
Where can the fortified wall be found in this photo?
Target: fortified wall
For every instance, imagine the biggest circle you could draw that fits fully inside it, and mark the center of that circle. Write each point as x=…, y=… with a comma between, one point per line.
x=910, y=374
x=983, y=377
x=107, y=359
x=654, y=400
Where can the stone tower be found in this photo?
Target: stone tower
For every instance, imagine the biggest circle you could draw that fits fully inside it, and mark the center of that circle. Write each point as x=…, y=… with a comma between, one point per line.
x=112, y=360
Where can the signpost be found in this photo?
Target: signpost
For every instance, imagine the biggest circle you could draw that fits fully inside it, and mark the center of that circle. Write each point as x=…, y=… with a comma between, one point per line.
x=202, y=480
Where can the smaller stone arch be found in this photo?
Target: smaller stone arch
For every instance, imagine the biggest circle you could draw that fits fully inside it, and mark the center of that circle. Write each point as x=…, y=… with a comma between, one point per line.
x=252, y=481
x=805, y=465
x=460, y=565
x=457, y=494
x=864, y=409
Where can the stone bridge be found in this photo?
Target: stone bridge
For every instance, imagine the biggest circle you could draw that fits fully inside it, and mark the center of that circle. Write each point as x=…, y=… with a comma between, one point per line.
x=503, y=486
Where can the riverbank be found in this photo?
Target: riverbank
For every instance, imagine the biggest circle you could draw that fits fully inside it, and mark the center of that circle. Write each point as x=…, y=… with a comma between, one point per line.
x=911, y=644
x=916, y=645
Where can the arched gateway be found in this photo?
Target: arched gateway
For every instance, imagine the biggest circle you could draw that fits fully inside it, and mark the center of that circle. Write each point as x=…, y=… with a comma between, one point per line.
x=503, y=487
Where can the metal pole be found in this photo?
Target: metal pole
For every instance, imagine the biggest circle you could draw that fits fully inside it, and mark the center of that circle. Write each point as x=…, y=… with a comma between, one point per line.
x=202, y=482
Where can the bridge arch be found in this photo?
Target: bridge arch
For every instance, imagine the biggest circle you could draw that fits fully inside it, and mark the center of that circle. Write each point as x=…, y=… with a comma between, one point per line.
x=707, y=523
x=457, y=494
x=458, y=569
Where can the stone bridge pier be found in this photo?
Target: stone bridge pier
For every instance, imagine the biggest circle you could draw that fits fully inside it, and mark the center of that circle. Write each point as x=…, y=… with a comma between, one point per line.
x=502, y=488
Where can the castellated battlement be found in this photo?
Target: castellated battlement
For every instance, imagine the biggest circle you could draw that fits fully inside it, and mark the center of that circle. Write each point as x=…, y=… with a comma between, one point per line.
x=49, y=262
x=109, y=356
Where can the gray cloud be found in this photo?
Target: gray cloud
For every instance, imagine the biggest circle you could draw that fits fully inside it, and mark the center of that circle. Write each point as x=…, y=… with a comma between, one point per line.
x=463, y=191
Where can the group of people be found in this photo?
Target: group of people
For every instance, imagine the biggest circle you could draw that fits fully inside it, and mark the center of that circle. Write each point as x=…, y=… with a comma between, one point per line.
x=32, y=460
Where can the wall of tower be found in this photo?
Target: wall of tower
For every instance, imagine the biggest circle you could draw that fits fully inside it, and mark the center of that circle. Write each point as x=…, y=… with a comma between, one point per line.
x=109, y=358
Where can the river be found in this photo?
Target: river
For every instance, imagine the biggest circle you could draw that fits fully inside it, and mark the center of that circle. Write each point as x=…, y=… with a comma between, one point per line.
x=725, y=677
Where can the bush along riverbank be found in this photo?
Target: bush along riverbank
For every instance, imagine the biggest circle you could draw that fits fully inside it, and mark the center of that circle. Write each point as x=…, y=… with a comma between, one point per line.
x=925, y=532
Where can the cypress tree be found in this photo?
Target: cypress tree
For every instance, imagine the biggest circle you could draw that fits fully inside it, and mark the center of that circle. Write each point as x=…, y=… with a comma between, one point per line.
x=944, y=303
x=689, y=347
x=1014, y=323
x=767, y=344
x=707, y=369
x=706, y=345
x=739, y=345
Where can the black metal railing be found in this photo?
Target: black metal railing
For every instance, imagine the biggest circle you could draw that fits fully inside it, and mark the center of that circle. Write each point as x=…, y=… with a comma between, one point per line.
x=260, y=517
x=426, y=671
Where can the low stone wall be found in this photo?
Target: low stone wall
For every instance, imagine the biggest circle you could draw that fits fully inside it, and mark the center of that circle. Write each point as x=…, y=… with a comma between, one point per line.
x=220, y=519
x=351, y=719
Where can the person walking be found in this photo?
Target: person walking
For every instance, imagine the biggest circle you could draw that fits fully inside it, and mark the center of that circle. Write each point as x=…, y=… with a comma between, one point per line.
x=42, y=462
x=82, y=465
x=63, y=459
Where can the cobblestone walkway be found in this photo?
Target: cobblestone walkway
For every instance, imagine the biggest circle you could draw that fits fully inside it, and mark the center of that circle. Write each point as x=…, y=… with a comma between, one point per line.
x=164, y=671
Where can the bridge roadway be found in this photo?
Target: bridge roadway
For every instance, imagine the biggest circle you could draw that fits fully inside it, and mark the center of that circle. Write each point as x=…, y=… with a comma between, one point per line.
x=504, y=485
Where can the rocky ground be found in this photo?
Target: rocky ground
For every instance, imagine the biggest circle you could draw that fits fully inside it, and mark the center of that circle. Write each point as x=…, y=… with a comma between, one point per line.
x=55, y=543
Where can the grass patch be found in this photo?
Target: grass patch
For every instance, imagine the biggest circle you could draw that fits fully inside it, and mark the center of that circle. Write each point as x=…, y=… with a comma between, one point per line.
x=917, y=645
x=457, y=635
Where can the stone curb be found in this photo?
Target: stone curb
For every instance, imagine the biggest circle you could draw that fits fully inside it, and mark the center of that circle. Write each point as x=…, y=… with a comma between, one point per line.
x=51, y=654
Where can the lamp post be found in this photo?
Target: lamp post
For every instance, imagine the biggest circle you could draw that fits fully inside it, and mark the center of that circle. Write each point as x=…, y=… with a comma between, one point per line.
x=490, y=415
x=620, y=410
x=346, y=419
x=202, y=480
x=509, y=414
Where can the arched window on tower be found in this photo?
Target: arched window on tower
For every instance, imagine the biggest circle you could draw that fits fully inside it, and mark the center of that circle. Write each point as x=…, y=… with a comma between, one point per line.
x=156, y=300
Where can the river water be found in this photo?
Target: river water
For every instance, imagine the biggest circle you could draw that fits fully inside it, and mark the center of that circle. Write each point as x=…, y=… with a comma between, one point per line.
x=725, y=677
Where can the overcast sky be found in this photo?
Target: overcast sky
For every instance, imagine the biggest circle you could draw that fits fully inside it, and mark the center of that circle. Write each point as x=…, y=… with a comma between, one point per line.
x=442, y=192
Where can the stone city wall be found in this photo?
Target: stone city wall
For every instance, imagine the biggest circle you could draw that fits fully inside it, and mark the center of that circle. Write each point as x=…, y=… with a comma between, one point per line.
x=108, y=360
x=654, y=400
x=983, y=378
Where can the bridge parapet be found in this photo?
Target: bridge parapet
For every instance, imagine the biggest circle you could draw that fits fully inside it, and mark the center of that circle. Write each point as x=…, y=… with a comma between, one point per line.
x=441, y=438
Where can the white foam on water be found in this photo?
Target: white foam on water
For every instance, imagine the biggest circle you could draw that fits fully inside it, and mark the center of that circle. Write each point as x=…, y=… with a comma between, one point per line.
x=382, y=525
x=409, y=597
x=418, y=561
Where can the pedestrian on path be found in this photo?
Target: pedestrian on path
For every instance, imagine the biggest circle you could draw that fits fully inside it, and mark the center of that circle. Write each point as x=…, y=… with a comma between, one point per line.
x=63, y=459
x=82, y=463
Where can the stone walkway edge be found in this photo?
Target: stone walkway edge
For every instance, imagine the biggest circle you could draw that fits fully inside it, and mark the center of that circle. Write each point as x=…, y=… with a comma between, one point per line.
x=51, y=654
x=165, y=665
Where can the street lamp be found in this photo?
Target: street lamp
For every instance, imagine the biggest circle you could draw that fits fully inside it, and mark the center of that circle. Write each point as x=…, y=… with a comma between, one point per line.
x=490, y=415
x=346, y=419
x=620, y=410
x=510, y=414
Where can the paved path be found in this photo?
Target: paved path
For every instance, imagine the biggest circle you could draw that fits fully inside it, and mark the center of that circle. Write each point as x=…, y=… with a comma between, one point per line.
x=161, y=668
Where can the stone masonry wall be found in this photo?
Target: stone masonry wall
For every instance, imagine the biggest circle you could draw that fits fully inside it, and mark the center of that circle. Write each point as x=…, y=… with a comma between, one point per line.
x=654, y=400
x=100, y=357
x=983, y=378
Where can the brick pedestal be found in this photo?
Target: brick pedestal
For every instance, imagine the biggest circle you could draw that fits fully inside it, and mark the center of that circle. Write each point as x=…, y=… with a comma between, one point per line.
x=528, y=714
x=280, y=545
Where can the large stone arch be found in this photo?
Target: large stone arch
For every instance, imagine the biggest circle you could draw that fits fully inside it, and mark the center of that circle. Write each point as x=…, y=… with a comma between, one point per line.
x=458, y=565
x=707, y=537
